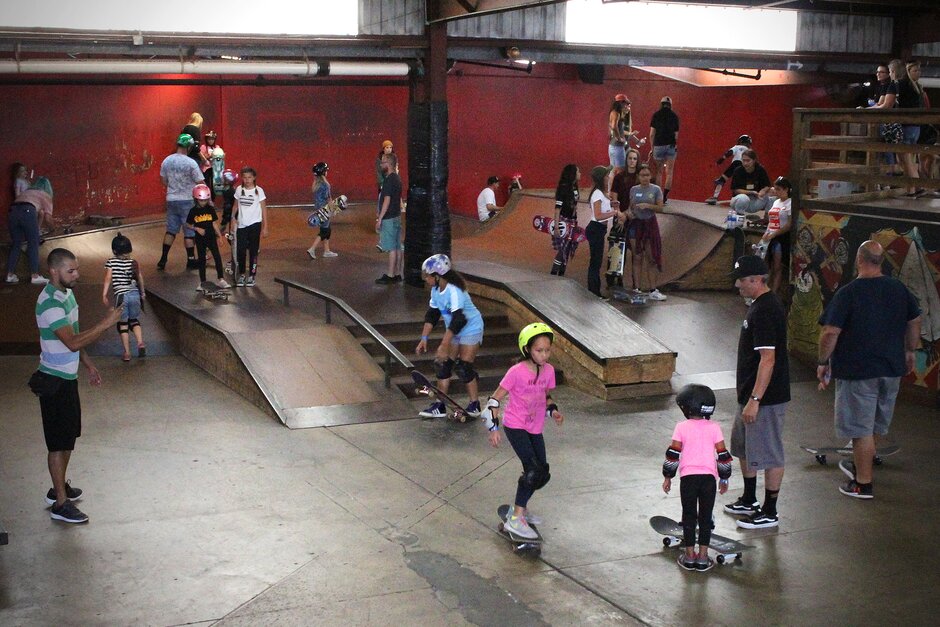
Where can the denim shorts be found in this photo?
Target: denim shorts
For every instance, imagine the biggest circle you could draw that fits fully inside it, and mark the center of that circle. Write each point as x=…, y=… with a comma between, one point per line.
x=390, y=234
x=661, y=153
x=618, y=155
x=131, y=307
x=911, y=133
x=467, y=340
x=865, y=407
x=176, y=213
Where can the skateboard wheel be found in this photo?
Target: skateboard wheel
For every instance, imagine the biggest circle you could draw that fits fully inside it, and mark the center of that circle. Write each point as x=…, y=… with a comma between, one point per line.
x=737, y=557
x=667, y=542
x=720, y=559
x=821, y=459
x=878, y=461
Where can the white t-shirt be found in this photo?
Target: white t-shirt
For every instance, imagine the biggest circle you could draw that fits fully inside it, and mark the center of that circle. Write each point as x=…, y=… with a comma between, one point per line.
x=249, y=205
x=778, y=216
x=605, y=205
x=486, y=197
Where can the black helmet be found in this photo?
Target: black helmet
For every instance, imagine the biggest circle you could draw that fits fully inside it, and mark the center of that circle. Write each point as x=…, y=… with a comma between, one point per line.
x=696, y=400
x=745, y=140
x=121, y=245
x=320, y=168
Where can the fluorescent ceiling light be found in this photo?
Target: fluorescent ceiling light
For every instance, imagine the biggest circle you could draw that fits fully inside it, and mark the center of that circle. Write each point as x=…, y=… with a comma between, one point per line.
x=658, y=24
x=271, y=17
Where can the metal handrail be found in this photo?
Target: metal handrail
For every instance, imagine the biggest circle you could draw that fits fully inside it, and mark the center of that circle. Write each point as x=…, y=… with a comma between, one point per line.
x=329, y=300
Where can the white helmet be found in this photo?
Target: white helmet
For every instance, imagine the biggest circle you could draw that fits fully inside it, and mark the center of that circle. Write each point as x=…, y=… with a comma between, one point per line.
x=218, y=152
x=436, y=264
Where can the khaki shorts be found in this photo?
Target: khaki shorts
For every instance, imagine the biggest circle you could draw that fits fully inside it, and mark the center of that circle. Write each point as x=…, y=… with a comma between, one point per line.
x=760, y=443
x=865, y=407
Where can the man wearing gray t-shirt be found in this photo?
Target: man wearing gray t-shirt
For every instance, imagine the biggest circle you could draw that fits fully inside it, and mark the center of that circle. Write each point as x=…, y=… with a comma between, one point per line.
x=179, y=174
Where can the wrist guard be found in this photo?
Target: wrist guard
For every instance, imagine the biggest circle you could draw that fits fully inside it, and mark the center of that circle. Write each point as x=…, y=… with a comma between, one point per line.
x=671, y=464
x=724, y=465
x=551, y=407
x=490, y=421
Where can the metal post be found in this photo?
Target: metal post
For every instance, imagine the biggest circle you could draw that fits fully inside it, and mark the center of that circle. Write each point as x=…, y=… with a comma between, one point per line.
x=286, y=295
x=329, y=318
x=388, y=371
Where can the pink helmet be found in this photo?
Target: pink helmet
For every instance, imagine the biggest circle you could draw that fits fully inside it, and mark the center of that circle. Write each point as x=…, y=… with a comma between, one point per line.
x=229, y=176
x=202, y=192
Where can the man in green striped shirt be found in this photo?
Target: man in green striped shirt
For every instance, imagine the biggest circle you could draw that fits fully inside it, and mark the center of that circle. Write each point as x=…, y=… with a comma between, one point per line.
x=61, y=351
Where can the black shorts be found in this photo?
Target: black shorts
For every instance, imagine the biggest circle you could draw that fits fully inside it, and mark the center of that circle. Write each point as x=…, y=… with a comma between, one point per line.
x=62, y=417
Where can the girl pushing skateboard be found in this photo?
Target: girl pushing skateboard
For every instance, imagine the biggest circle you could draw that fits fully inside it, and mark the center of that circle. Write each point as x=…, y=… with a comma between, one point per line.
x=528, y=384
x=696, y=442
x=463, y=332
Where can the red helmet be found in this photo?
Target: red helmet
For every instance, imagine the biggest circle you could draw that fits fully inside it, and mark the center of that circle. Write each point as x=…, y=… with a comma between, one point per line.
x=229, y=176
x=202, y=192
x=622, y=98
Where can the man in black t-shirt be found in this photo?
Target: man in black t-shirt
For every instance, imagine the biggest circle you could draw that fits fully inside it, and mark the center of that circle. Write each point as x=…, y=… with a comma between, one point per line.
x=388, y=222
x=763, y=386
x=870, y=331
x=664, y=134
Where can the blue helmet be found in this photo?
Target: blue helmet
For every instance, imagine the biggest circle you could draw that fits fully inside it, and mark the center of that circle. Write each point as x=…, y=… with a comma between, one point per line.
x=436, y=264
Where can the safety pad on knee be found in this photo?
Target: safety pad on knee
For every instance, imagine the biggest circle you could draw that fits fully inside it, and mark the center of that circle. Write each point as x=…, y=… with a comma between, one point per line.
x=529, y=479
x=543, y=476
x=133, y=323
x=465, y=371
x=443, y=369
x=122, y=327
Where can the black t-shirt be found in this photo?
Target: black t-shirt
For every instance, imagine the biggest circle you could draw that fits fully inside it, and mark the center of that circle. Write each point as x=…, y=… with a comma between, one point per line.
x=873, y=315
x=391, y=189
x=751, y=181
x=888, y=87
x=908, y=97
x=566, y=201
x=765, y=326
x=666, y=123
x=203, y=217
x=194, y=132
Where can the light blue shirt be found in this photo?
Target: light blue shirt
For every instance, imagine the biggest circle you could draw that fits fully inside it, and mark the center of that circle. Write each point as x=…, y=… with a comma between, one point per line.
x=452, y=299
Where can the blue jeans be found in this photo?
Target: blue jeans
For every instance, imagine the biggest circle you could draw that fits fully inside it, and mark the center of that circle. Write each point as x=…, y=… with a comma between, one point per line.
x=131, y=307
x=176, y=213
x=618, y=155
x=24, y=227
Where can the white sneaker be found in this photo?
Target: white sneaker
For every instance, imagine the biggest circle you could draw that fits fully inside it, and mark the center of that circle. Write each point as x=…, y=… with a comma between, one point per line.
x=532, y=519
x=223, y=284
x=12, y=278
x=519, y=527
x=200, y=288
x=312, y=252
x=39, y=280
x=330, y=253
x=657, y=295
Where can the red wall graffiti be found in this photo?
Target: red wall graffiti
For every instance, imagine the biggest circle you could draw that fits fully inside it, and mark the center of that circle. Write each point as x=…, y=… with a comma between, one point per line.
x=102, y=145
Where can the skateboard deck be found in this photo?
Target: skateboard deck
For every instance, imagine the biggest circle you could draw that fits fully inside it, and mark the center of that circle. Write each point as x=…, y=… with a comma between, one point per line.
x=103, y=220
x=728, y=550
x=616, y=253
x=214, y=292
x=324, y=214
x=634, y=298
x=424, y=386
x=569, y=230
x=760, y=249
x=527, y=546
x=846, y=451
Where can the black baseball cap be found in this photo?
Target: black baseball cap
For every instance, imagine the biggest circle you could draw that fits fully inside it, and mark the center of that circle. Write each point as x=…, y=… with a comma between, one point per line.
x=749, y=265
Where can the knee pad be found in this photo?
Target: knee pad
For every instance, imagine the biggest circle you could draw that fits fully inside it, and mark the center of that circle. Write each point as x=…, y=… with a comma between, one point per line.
x=543, y=477
x=133, y=323
x=465, y=371
x=529, y=479
x=122, y=327
x=443, y=369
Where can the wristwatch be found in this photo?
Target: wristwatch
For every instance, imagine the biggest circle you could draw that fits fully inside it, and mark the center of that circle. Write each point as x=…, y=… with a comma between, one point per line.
x=755, y=398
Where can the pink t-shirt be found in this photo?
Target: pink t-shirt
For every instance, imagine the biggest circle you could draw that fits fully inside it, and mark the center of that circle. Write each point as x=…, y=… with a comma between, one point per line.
x=698, y=438
x=526, y=407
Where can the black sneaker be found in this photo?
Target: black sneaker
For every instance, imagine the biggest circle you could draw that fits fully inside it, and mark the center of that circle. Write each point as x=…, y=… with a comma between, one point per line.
x=686, y=564
x=385, y=280
x=397, y=278
x=704, y=563
x=853, y=489
x=847, y=468
x=161, y=265
x=742, y=508
x=192, y=264
x=760, y=520
x=67, y=512
x=72, y=494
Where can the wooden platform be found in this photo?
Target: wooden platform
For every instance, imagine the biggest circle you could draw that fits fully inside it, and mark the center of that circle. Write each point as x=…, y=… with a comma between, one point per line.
x=602, y=351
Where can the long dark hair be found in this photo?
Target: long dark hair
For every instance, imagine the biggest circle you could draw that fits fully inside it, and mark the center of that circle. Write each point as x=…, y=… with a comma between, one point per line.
x=454, y=278
x=567, y=179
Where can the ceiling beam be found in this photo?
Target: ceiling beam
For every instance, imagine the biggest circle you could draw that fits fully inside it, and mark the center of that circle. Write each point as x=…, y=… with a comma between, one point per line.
x=445, y=10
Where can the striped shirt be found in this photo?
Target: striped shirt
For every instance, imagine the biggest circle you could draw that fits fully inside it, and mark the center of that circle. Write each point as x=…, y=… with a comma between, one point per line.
x=122, y=274
x=54, y=310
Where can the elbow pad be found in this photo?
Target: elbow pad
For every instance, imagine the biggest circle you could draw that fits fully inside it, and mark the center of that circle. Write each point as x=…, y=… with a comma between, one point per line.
x=490, y=421
x=432, y=316
x=551, y=407
x=724, y=465
x=457, y=322
x=671, y=464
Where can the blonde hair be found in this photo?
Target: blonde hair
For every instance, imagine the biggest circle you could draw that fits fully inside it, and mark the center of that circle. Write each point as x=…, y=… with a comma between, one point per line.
x=195, y=119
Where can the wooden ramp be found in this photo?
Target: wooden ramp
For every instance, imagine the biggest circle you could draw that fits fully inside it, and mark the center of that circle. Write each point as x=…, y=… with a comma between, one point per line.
x=602, y=351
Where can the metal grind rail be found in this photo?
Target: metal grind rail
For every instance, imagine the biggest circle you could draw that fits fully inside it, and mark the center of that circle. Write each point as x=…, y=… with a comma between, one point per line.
x=329, y=300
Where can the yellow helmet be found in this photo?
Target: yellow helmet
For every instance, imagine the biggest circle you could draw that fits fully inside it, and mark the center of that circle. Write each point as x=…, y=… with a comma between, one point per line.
x=532, y=331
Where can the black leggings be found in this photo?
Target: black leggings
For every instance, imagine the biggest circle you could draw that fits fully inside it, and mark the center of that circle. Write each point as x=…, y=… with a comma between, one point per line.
x=249, y=241
x=208, y=245
x=530, y=447
x=697, y=490
x=596, y=232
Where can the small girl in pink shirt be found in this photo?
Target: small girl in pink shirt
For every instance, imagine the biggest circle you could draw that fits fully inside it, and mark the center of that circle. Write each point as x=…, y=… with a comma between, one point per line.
x=528, y=384
x=695, y=444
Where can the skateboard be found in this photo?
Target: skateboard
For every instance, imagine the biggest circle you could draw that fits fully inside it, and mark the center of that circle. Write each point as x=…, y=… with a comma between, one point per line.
x=569, y=230
x=728, y=550
x=846, y=451
x=214, y=292
x=616, y=253
x=324, y=214
x=634, y=298
x=105, y=221
x=760, y=248
x=424, y=386
x=526, y=546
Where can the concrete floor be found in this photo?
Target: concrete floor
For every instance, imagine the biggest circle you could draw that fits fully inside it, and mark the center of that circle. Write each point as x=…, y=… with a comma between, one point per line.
x=203, y=509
